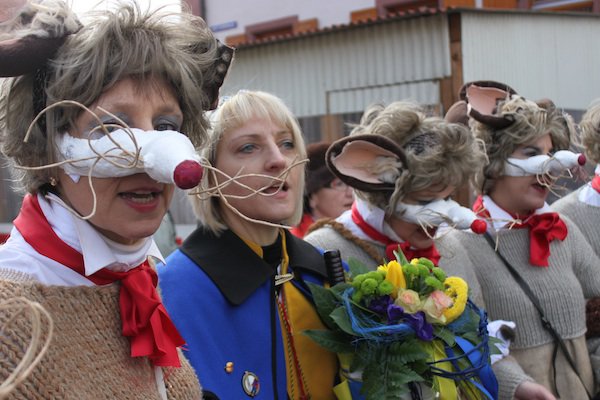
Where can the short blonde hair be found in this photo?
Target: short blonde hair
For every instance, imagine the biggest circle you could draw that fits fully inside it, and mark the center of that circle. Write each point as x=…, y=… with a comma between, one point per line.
x=437, y=151
x=111, y=46
x=530, y=121
x=590, y=131
x=235, y=112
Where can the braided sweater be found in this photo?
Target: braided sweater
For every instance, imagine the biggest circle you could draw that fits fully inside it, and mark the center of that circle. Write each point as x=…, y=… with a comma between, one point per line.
x=585, y=216
x=88, y=357
x=572, y=276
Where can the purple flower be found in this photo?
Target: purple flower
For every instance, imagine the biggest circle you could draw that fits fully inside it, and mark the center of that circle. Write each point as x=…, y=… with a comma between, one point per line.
x=380, y=305
x=416, y=321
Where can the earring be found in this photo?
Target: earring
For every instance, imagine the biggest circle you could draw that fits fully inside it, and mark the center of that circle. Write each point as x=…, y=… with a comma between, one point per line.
x=53, y=181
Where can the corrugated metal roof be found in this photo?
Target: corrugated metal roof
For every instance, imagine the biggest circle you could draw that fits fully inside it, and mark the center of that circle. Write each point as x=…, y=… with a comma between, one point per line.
x=413, y=13
x=347, y=70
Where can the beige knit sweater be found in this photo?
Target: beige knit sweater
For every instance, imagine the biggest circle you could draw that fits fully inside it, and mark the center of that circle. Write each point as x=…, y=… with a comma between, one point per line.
x=88, y=357
x=585, y=216
x=572, y=276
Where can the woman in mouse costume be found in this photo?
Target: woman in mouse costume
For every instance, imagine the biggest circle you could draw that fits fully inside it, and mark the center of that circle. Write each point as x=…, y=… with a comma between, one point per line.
x=403, y=166
x=547, y=260
x=86, y=112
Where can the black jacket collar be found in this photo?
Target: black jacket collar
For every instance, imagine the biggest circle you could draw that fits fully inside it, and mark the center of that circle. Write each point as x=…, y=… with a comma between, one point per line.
x=237, y=270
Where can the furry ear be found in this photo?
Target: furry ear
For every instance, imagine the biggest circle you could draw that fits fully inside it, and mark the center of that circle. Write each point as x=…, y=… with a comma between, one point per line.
x=478, y=100
x=367, y=162
x=458, y=113
x=31, y=33
x=222, y=64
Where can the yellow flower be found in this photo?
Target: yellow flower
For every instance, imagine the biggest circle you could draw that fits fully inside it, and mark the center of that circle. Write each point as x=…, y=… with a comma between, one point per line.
x=458, y=290
x=395, y=275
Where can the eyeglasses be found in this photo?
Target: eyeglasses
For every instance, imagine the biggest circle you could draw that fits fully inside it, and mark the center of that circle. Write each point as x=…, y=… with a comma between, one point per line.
x=338, y=185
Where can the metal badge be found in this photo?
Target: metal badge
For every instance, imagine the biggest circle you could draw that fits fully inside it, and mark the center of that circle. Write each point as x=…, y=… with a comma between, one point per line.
x=250, y=384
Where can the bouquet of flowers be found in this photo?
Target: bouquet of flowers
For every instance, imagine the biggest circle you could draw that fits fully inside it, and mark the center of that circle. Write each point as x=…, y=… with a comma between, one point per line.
x=405, y=330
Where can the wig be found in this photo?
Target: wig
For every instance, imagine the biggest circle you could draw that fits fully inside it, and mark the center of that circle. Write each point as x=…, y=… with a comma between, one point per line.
x=590, y=132
x=148, y=46
x=233, y=113
x=530, y=121
x=437, y=152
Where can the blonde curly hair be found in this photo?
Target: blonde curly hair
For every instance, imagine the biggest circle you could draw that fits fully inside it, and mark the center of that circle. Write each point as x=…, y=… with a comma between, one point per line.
x=590, y=131
x=531, y=120
x=111, y=46
x=437, y=151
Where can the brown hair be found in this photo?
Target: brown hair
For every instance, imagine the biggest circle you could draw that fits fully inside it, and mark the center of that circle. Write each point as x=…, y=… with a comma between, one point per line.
x=111, y=46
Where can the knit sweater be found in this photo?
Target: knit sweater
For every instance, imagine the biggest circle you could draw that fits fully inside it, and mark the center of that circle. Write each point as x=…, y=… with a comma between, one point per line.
x=88, y=357
x=585, y=216
x=572, y=276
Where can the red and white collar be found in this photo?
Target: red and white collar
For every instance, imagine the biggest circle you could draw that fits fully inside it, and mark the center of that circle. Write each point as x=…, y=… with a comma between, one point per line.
x=588, y=194
x=500, y=218
x=374, y=216
x=98, y=251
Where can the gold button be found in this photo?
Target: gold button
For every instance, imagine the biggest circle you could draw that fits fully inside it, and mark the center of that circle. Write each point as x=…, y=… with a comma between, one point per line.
x=229, y=367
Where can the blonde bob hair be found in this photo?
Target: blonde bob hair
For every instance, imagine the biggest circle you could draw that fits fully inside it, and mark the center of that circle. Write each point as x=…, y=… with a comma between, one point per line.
x=233, y=113
x=437, y=151
x=590, y=132
x=531, y=121
x=112, y=45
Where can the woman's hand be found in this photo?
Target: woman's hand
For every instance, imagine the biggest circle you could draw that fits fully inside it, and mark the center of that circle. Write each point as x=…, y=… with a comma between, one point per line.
x=533, y=391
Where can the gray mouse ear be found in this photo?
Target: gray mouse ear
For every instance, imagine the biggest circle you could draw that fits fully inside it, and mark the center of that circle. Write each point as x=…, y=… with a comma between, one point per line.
x=367, y=162
x=31, y=34
x=221, y=67
x=457, y=113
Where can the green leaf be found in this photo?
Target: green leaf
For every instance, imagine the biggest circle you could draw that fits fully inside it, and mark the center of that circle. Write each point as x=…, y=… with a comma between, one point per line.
x=335, y=342
x=445, y=334
x=386, y=376
x=356, y=267
x=342, y=320
x=493, y=343
x=325, y=303
x=400, y=257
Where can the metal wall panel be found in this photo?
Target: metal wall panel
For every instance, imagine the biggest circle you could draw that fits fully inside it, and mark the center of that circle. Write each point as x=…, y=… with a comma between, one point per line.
x=539, y=55
x=352, y=68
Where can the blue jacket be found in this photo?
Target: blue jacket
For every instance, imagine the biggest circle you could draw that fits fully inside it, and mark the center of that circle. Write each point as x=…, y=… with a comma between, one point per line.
x=221, y=296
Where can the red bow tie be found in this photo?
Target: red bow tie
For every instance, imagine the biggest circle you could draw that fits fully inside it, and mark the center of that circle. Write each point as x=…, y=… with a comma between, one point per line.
x=390, y=245
x=596, y=183
x=543, y=229
x=144, y=318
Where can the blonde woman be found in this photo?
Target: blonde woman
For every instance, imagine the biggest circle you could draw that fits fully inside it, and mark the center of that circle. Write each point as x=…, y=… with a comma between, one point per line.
x=236, y=288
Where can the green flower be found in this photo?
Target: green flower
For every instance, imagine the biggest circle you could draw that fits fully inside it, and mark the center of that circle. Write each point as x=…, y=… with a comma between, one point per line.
x=385, y=288
x=369, y=286
x=434, y=283
x=439, y=274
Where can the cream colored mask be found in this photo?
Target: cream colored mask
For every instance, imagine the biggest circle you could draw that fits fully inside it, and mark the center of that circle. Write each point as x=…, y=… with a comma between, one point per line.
x=166, y=156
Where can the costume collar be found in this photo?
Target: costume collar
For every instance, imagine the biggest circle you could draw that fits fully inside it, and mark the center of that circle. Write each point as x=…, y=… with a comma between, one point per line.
x=236, y=269
x=502, y=219
x=98, y=252
x=588, y=194
x=372, y=215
